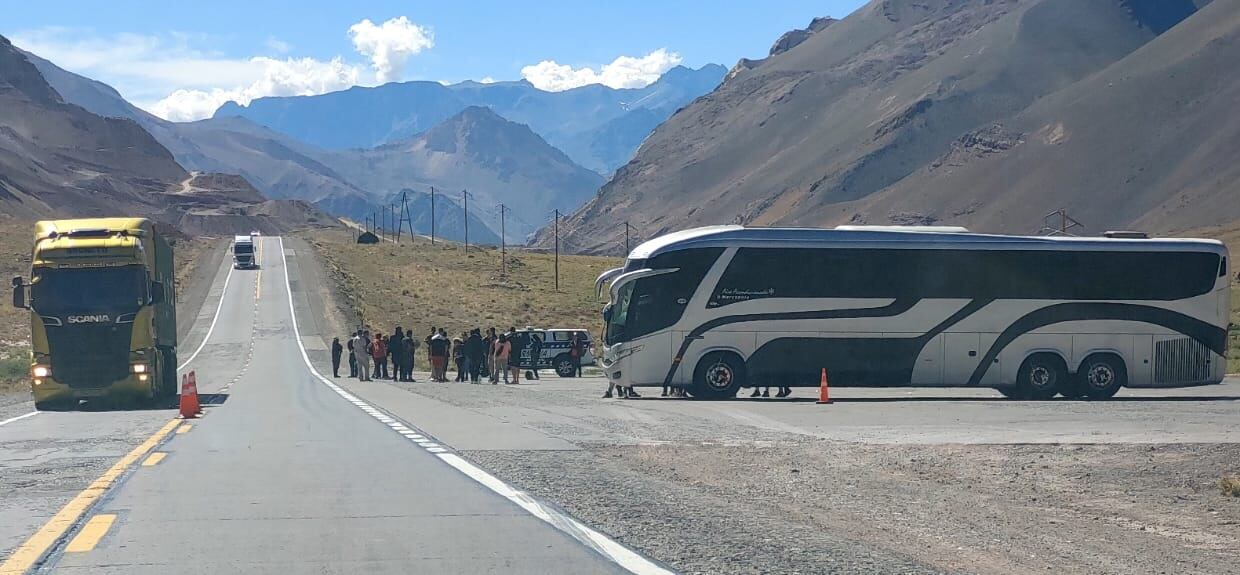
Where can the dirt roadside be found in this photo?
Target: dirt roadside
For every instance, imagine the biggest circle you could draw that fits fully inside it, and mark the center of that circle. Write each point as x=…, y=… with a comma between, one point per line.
x=738, y=499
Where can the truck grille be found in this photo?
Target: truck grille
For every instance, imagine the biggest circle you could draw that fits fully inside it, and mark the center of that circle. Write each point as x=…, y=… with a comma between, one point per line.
x=89, y=355
x=1181, y=361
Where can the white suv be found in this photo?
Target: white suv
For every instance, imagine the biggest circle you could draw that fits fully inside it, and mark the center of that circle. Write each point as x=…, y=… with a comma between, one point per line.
x=555, y=349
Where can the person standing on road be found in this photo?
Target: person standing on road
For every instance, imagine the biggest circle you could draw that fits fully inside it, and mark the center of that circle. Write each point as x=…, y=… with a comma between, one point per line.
x=500, y=359
x=429, y=356
x=438, y=350
x=516, y=347
x=575, y=349
x=337, y=351
x=352, y=357
x=378, y=351
x=362, y=350
x=458, y=356
x=411, y=348
x=488, y=360
x=535, y=353
x=475, y=355
x=396, y=353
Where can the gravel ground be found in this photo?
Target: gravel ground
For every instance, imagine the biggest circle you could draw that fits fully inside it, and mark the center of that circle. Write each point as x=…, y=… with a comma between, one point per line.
x=822, y=507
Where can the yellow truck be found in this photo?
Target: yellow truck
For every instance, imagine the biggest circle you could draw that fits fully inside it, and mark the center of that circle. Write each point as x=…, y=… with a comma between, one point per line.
x=102, y=312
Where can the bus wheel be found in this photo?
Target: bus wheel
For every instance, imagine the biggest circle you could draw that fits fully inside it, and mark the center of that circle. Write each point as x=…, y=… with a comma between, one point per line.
x=564, y=366
x=718, y=376
x=1041, y=376
x=1102, y=375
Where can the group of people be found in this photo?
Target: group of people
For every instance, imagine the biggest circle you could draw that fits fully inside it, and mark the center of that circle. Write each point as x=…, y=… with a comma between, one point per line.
x=474, y=355
x=370, y=356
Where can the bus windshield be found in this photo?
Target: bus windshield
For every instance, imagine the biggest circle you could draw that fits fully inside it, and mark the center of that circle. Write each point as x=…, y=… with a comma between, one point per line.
x=619, y=314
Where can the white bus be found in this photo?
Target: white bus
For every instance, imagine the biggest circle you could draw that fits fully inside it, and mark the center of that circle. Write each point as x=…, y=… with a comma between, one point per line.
x=719, y=308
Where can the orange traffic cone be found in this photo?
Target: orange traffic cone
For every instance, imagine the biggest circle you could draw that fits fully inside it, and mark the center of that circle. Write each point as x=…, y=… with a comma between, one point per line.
x=824, y=389
x=189, y=397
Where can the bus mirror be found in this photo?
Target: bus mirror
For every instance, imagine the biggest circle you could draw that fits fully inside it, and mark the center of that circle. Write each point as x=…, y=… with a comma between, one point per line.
x=157, y=292
x=19, y=293
x=607, y=313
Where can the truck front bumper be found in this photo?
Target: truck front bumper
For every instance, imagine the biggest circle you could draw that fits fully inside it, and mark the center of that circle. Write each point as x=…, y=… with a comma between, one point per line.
x=49, y=390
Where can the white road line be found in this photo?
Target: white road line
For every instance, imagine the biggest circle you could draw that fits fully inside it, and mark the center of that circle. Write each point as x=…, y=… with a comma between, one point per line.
x=19, y=418
x=619, y=554
x=214, y=318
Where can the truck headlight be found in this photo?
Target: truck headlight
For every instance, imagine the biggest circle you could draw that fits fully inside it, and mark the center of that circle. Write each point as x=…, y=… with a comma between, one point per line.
x=139, y=368
x=41, y=371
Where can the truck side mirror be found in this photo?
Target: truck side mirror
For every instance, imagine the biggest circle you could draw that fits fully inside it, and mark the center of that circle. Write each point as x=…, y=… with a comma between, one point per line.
x=157, y=292
x=19, y=293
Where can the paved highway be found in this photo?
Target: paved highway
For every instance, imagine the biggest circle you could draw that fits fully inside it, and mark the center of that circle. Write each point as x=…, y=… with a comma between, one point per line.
x=287, y=473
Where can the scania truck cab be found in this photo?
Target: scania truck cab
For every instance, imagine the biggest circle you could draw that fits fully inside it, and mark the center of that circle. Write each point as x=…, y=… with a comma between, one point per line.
x=102, y=312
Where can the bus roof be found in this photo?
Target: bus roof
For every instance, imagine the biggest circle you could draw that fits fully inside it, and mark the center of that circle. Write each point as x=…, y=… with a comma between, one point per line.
x=894, y=237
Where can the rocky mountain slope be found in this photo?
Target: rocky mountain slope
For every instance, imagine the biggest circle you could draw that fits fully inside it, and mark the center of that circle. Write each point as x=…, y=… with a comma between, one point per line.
x=58, y=159
x=496, y=160
x=581, y=122
x=872, y=118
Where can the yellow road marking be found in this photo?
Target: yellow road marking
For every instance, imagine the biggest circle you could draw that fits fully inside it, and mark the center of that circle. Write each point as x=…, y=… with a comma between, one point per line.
x=91, y=533
x=258, y=285
x=154, y=459
x=184, y=428
x=29, y=553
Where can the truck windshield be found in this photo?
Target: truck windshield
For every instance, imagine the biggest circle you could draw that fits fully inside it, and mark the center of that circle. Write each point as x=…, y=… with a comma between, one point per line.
x=74, y=290
x=243, y=249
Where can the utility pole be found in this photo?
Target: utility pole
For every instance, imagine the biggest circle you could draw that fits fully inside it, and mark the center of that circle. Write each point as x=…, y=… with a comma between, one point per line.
x=626, y=238
x=432, y=215
x=465, y=197
x=404, y=217
x=503, y=243
x=557, y=250
x=391, y=218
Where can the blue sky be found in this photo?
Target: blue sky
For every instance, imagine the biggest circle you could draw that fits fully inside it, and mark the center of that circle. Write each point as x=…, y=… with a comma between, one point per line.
x=180, y=60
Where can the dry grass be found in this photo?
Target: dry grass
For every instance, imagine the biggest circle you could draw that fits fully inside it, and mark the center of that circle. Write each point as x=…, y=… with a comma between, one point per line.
x=1230, y=484
x=417, y=285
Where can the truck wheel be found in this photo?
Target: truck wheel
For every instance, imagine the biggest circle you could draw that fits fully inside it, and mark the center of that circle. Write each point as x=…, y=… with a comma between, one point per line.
x=1102, y=375
x=168, y=374
x=1041, y=376
x=564, y=366
x=718, y=376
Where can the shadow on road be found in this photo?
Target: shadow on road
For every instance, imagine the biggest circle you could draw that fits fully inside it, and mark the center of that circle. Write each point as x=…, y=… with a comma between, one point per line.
x=96, y=406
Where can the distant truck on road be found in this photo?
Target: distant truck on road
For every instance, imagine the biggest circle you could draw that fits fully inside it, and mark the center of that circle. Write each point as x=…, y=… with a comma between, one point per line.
x=103, y=312
x=243, y=252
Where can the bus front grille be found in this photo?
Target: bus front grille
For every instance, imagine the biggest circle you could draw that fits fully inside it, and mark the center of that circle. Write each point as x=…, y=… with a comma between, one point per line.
x=1181, y=361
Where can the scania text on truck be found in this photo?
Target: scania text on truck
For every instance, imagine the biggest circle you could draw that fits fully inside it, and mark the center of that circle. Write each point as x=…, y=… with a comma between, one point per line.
x=102, y=312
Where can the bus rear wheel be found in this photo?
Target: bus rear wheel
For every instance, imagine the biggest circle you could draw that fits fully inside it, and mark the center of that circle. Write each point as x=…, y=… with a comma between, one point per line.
x=718, y=376
x=1102, y=375
x=1041, y=377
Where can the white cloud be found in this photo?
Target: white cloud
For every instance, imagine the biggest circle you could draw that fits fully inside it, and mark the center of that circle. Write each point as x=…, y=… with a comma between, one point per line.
x=288, y=77
x=390, y=45
x=623, y=72
x=486, y=80
x=278, y=46
x=170, y=76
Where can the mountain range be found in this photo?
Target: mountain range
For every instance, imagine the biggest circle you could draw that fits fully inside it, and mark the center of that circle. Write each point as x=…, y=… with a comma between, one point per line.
x=59, y=159
x=984, y=113
x=597, y=126
x=470, y=148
